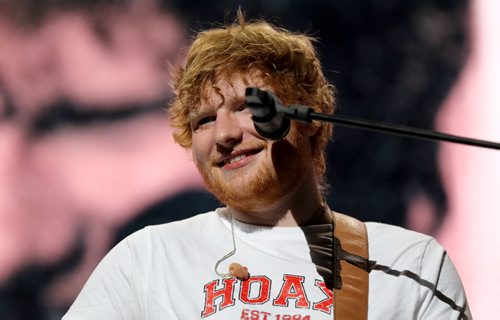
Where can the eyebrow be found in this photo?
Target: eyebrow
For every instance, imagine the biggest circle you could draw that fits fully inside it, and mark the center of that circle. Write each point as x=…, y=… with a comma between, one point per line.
x=196, y=112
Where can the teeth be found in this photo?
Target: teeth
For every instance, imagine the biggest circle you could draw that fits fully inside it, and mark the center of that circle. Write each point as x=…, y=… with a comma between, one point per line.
x=237, y=158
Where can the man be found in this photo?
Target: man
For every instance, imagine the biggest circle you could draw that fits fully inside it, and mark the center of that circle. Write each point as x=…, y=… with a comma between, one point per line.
x=274, y=224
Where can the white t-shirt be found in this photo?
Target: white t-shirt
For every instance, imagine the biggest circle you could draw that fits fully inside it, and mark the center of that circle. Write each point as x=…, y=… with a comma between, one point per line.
x=167, y=272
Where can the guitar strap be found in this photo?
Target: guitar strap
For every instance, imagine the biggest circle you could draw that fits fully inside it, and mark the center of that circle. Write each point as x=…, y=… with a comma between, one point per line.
x=350, y=268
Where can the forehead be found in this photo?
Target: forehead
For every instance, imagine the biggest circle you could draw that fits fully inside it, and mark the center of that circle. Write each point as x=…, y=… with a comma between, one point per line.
x=227, y=89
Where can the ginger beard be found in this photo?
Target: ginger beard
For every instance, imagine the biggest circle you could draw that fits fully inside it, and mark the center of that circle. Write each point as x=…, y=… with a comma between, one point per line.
x=277, y=172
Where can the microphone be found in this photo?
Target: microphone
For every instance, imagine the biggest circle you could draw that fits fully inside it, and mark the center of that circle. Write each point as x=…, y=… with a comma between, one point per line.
x=272, y=121
x=268, y=113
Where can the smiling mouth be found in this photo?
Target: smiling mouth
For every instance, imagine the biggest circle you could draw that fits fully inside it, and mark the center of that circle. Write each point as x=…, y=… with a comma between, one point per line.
x=237, y=157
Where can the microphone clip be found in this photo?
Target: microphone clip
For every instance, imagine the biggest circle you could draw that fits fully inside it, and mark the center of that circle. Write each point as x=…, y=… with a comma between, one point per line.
x=270, y=117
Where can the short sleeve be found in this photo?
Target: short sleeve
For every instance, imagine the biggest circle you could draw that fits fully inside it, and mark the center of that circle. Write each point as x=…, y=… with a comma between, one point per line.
x=110, y=292
x=443, y=296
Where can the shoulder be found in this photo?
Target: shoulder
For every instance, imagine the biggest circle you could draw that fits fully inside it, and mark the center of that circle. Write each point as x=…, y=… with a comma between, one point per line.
x=198, y=224
x=384, y=239
x=401, y=249
x=382, y=231
x=415, y=270
x=161, y=242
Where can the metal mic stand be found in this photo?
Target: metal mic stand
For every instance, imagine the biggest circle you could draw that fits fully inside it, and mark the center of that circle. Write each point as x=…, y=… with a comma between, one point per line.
x=306, y=114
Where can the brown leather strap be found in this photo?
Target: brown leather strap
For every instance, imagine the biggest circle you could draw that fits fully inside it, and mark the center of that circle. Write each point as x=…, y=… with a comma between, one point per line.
x=350, y=297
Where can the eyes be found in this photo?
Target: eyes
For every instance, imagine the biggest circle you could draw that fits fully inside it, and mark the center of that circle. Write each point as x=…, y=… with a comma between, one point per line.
x=203, y=122
x=208, y=117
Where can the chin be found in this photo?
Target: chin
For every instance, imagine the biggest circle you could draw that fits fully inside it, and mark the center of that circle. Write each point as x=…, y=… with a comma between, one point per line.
x=250, y=193
x=257, y=186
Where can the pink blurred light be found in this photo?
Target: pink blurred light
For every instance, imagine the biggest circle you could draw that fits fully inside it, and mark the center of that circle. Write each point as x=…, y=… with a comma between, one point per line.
x=65, y=58
x=472, y=175
x=95, y=177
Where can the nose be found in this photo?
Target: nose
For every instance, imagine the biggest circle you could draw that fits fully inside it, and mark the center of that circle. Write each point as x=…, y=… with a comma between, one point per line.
x=228, y=130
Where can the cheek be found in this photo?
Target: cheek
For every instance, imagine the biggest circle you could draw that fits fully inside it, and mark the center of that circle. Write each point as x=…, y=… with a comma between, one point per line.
x=291, y=152
x=246, y=123
x=200, y=148
x=284, y=155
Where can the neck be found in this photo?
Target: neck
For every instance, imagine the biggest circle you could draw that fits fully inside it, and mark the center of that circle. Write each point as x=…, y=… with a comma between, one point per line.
x=303, y=206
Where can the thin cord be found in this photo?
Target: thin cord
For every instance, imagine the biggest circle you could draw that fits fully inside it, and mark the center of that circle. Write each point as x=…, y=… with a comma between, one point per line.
x=229, y=254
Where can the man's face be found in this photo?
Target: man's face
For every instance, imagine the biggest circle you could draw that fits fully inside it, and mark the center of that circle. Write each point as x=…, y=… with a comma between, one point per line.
x=244, y=170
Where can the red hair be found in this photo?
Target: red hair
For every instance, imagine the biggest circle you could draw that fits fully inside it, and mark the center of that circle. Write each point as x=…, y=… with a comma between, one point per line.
x=287, y=61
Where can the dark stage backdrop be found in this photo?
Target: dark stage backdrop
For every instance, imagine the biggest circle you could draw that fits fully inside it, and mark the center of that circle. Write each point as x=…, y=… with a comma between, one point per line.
x=87, y=157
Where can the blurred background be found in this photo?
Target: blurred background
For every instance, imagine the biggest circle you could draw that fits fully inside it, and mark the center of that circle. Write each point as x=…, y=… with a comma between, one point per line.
x=87, y=157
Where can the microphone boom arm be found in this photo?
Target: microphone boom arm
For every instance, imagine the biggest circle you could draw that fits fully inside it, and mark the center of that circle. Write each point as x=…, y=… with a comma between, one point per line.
x=271, y=120
x=305, y=114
